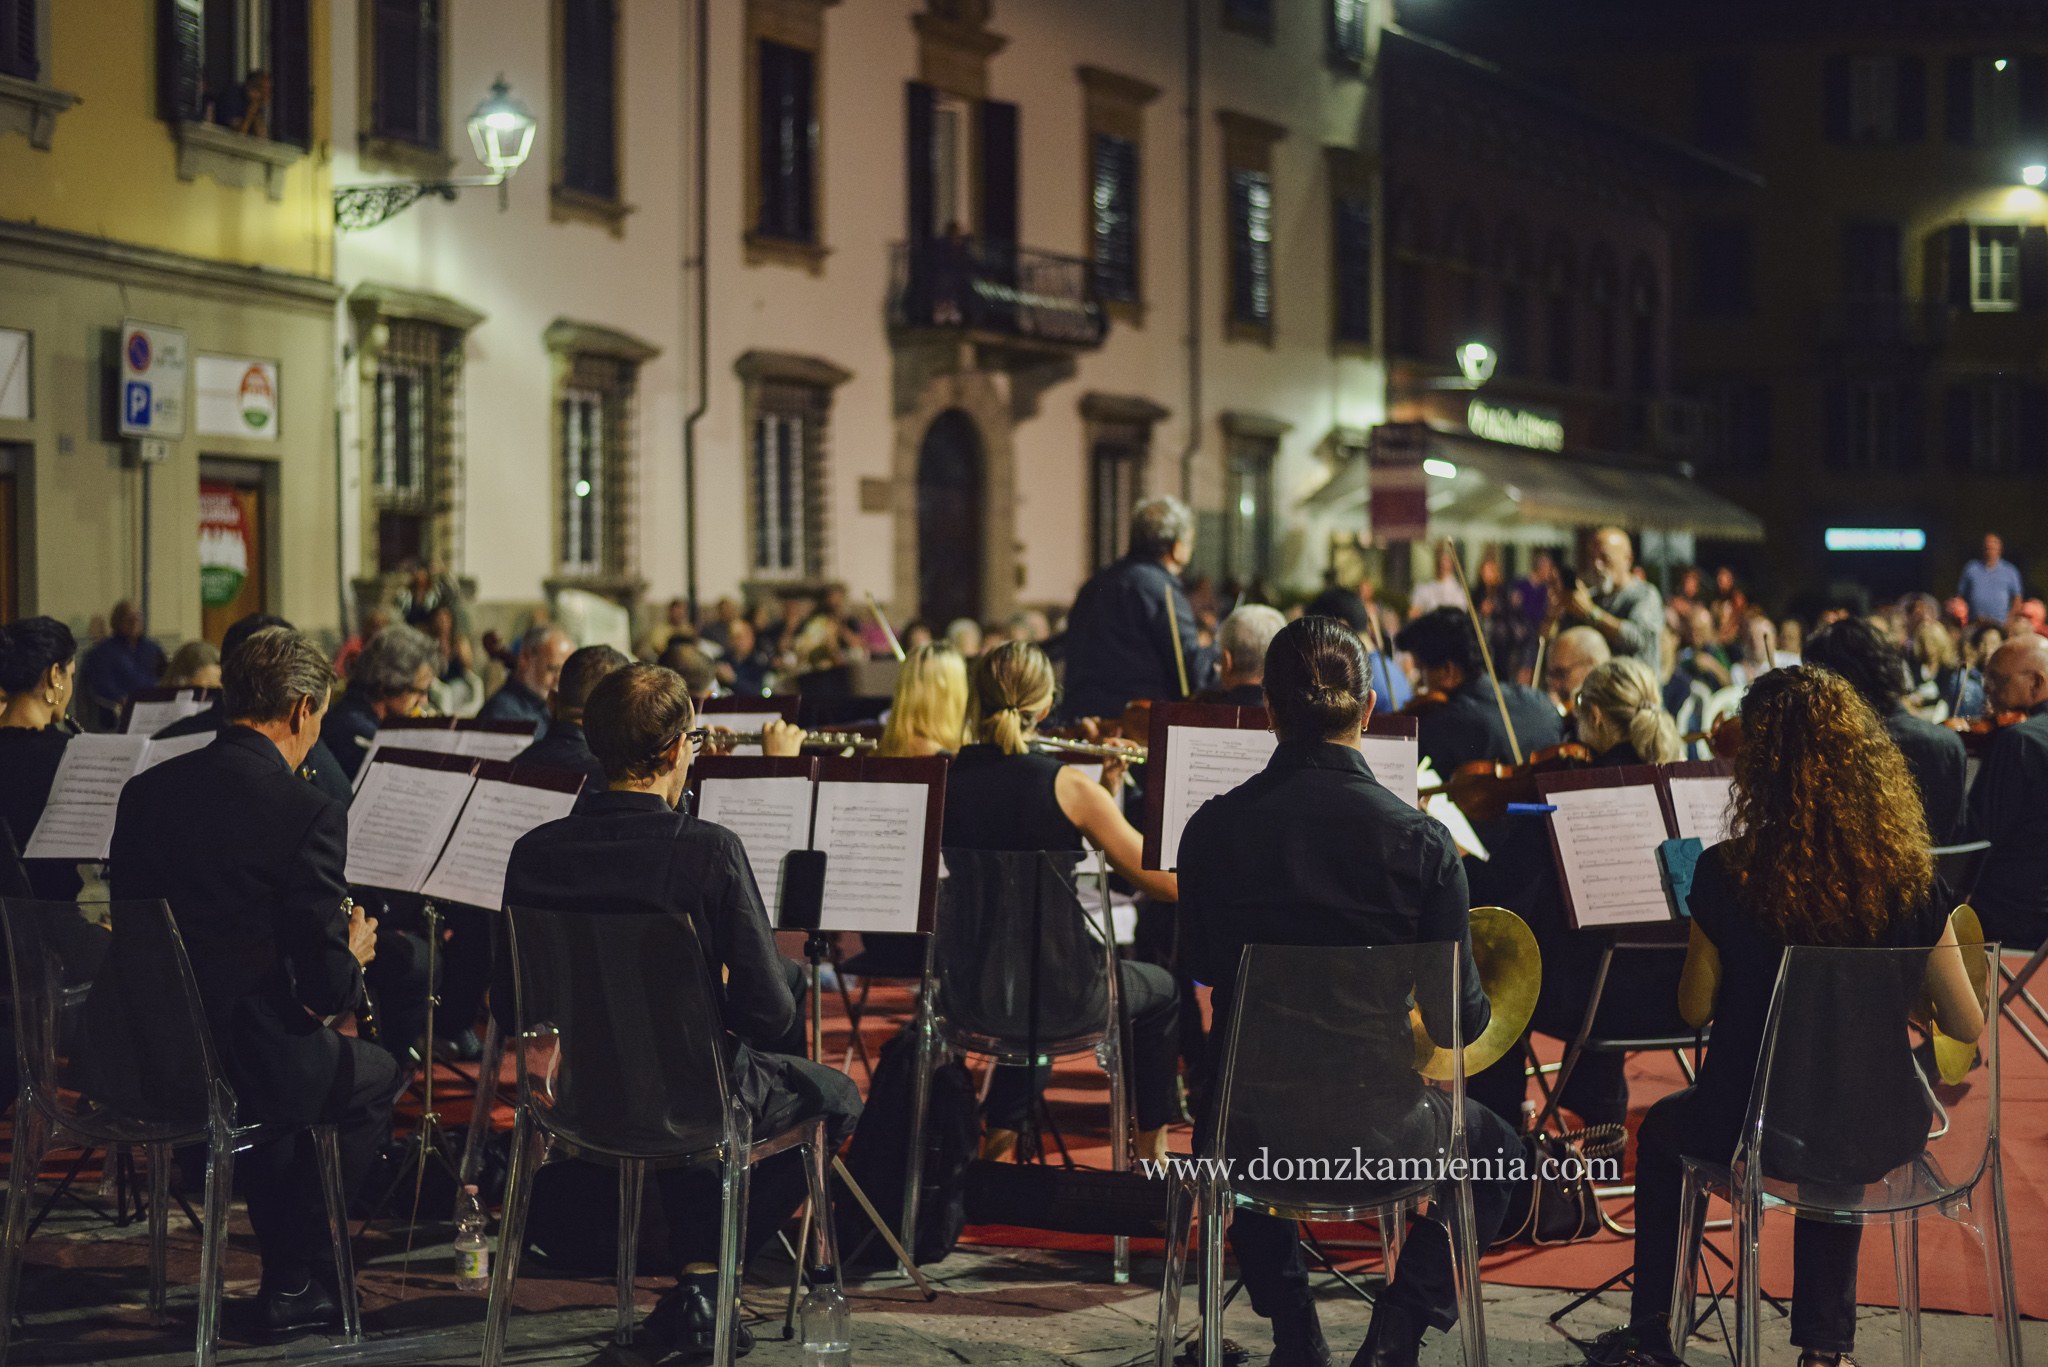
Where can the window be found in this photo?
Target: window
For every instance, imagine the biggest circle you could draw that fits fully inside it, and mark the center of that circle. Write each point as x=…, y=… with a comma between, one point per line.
x=1116, y=479
x=1603, y=292
x=1873, y=98
x=1348, y=20
x=1995, y=268
x=1251, y=248
x=589, y=108
x=20, y=53
x=405, y=71
x=1724, y=269
x=1723, y=104
x=1873, y=426
x=1734, y=420
x=1989, y=95
x=1560, y=313
x=415, y=383
x=1114, y=208
x=1871, y=256
x=1513, y=264
x=1644, y=375
x=788, y=144
x=1351, y=235
x=952, y=165
x=245, y=65
x=595, y=440
x=1994, y=427
x=1880, y=98
x=785, y=479
x=1248, y=511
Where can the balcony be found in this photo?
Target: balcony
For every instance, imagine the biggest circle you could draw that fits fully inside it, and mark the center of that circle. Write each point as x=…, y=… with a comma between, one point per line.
x=994, y=293
x=1891, y=322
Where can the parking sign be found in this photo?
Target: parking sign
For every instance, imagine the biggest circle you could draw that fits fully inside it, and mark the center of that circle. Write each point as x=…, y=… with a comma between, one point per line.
x=153, y=372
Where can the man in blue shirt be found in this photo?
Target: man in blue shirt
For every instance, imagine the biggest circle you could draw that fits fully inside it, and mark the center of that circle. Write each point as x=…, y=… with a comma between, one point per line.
x=122, y=663
x=1991, y=585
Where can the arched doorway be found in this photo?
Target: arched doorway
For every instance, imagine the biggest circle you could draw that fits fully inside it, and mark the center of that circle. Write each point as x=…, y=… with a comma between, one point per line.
x=950, y=492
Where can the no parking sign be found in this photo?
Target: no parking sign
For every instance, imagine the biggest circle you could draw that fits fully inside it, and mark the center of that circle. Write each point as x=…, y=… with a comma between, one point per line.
x=153, y=365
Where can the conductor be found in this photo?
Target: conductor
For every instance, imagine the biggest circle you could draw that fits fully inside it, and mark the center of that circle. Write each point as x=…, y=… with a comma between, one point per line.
x=1131, y=634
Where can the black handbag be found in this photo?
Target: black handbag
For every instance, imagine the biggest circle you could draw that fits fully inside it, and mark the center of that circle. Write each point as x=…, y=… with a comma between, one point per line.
x=1554, y=1203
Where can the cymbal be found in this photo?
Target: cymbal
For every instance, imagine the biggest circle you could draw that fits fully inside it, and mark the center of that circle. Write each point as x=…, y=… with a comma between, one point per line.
x=1952, y=1058
x=1511, y=972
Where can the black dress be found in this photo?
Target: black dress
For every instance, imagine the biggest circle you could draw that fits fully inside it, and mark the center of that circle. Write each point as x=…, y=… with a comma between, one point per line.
x=28, y=765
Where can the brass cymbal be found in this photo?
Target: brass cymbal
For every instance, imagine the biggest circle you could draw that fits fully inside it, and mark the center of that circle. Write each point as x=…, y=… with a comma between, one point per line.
x=1952, y=1058
x=1511, y=971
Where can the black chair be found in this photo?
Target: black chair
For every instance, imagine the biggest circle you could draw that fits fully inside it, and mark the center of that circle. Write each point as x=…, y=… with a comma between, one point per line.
x=1017, y=972
x=621, y=1060
x=134, y=1065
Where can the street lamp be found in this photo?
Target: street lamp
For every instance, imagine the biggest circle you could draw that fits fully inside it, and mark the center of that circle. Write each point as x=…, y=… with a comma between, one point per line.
x=2034, y=174
x=500, y=130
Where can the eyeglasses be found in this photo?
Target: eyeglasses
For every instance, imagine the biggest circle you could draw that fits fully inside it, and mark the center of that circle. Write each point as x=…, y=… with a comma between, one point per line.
x=696, y=737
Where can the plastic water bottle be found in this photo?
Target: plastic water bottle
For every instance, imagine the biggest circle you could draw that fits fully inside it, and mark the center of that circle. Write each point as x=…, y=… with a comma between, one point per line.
x=823, y=1324
x=472, y=1246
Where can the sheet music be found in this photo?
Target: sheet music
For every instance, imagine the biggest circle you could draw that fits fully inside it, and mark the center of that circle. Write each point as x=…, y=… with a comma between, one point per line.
x=1201, y=763
x=399, y=821
x=148, y=716
x=1452, y=818
x=1701, y=806
x=740, y=723
x=504, y=745
x=472, y=869
x=432, y=739
x=161, y=750
x=78, y=821
x=1607, y=842
x=1392, y=760
x=873, y=838
x=771, y=816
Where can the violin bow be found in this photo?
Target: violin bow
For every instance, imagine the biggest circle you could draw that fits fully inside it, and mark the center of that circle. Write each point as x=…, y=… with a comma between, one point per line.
x=1486, y=655
x=1180, y=659
x=895, y=646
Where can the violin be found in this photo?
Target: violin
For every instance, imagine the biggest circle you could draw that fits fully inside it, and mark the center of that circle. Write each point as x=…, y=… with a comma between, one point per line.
x=1483, y=789
x=1724, y=738
x=1425, y=702
x=1978, y=731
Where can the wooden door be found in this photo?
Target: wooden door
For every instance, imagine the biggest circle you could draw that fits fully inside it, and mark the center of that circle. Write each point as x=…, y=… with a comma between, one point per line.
x=950, y=517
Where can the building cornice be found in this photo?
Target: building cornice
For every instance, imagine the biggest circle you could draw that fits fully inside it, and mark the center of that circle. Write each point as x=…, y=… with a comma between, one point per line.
x=82, y=254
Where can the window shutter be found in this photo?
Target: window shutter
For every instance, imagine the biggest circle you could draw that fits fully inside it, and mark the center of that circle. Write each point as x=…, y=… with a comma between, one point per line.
x=1115, y=210
x=917, y=124
x=2034, y=267
x=396, y=70
x=2033, y=96
x=291, y=73
x=181, y=58
x=1353, y=235
x=1956, y=263
x=589, y=98
x=18, y=39
x=1962, y=98
x=1347, y=30
x=999, y=172
x=1955, y=426
x=788, y=143
x=1835, y=98
x=1912, y=124
x=1835, y=424
x=2033, y=428
x=427, y=39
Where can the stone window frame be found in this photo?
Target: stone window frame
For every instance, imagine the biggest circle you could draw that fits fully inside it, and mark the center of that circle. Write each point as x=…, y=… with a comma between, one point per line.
x=800, y=386
x=377, y=150
x=30, y=108
x=587, y=356
x=1248, y=143
x=1113, y=105
x=797, y=24
x=567, y=204
x=1115, y=419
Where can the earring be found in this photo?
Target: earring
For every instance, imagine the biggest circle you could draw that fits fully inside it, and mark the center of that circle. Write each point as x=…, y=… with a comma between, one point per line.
x=49, y=699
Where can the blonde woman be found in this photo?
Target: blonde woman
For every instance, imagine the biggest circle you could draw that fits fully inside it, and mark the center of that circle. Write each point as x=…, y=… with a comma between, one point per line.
x=1622, y=718
x=1001, y=795
x=929, y=713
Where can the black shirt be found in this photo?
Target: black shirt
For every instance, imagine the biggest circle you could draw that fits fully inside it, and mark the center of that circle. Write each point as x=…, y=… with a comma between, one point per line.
x=28, y=765
x=1313, y=851
x=2009, y=807
x=321, y=768
x=351, y=724
x=996, y=801
x=1119, y=645
x=1468, y=726
x=1936, y=757
x=1238, y=695
x=564, y=747
x=516, y=702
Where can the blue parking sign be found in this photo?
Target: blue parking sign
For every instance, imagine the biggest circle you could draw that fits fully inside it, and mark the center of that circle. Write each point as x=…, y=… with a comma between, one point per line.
x=135, y=403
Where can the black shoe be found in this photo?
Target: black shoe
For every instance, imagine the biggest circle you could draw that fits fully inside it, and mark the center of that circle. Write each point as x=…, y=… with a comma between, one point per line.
x=1393, y=1340
x=272, y=1314
x=686, y=1322
x=1235, y=1354
x=1633, y=1346
x=1299, y=1343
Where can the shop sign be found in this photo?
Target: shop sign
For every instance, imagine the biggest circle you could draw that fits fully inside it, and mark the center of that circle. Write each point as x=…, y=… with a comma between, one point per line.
x=1875, y=538
x=153, y=363
x=1539, y=428
x=235, y=396
x=1399, y=504
x=15, y=346
x=223, y=544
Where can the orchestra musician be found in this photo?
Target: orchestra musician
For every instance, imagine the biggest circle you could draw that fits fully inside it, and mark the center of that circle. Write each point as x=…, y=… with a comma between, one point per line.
x=1132, y=632
x=38, y=673
x=1829, y=848
x=1622, y=720
x=388, y=678
x=1313, y=851
x=1000, y=795
x=542, y=652
x=250, y=858
x=564, y=746
x=1628, y=612
x=1859, y=652
x=634, y=849
x=1241, y=656
x=2006, y=805
x=928, y=715
x=1571, y=657
x=322, y=769
x=1468, y=725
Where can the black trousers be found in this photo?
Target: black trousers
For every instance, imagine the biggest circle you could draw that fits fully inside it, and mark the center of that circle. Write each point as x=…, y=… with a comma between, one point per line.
x=397, y=979
x=1425, y=1283
x=281, y=1179
x=1684, y=1125
x=1153, y=1006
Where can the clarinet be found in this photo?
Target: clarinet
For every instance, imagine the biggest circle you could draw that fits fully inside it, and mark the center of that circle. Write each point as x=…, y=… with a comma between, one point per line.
x=366, y=1018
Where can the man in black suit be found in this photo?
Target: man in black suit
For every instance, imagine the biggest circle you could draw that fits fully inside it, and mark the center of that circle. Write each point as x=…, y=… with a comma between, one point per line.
x=1468, y=727
x=321, y=769
x=632, y=850
x=1875, y=668
x=2006, y=801
x=1241, y=656
x=250, y=857
x=564, y=746
x=1131, y=634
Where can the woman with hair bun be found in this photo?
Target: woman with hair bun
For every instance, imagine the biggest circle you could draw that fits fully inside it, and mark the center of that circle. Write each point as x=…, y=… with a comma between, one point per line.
x=38, y=671
x=1000, y=795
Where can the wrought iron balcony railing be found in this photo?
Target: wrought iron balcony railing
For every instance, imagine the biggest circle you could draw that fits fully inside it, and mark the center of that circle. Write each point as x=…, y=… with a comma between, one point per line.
x=951, y=283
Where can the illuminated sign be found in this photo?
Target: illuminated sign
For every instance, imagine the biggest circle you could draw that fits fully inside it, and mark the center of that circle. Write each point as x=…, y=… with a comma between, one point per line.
x=1476, y=360
x=1542, y=429
x=1875, y=539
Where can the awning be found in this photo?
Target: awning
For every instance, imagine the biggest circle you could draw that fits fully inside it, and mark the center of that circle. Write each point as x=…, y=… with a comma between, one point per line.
x=1540, y=493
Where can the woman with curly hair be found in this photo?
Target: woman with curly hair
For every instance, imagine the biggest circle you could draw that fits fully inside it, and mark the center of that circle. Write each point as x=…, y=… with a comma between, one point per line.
x=1830, y=848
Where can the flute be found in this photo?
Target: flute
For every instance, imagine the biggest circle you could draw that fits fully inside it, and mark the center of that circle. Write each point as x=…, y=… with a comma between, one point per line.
x=822, y=740
x=1100, y=750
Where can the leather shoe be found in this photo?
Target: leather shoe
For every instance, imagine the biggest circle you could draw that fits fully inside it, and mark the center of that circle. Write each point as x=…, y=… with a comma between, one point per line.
x=1299, y=1344
x=686, y=1322
x=273, y=1314
x=1393, y=1340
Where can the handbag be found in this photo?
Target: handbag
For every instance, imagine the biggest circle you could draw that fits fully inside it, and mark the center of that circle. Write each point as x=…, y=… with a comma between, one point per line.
x=1555, y=1201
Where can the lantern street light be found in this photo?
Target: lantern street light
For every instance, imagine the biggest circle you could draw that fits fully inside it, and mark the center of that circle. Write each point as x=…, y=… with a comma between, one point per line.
x=500, y=130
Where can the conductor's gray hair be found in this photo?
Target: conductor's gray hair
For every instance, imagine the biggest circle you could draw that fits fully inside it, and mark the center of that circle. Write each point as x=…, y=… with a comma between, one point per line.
x=1158, y=524
x=1244, y=636
x=270, y=671
x=390, y=664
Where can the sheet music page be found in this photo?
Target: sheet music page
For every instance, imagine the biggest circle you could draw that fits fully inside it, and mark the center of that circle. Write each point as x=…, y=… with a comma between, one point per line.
x=504, y=745
x=471, y=869
x=398, y=822
x=1201, y=763
x=1701, y=806
x=1607, y=842
x=740, y=723
x=771, y=816
x=78, y=821
x=433, y=740
x=1452, y=818
x=161, y=750
x=1392, y=760
x=149, y=716
x=873, y=838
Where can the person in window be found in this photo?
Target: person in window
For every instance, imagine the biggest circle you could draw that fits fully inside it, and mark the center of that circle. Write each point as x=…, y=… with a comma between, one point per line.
x=1990, y=585
x=1313, y=851
x=1934, y=754
x=38, y=669
x=122, y=662
x=524, y=698
x=635, y=850
x=1132, y=634
x=390, y=678
x=565, y=747
x=1829, y=848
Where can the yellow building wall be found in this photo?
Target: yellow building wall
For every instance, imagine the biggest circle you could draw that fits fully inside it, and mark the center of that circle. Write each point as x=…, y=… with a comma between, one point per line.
x=112, y=168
